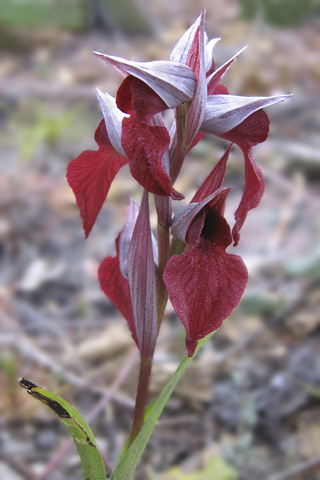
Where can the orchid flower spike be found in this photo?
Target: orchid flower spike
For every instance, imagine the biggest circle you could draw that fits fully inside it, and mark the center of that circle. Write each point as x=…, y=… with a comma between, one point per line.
x=203, y=281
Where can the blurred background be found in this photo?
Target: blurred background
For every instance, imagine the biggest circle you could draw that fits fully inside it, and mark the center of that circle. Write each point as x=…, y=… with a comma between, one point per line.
x=248, y=408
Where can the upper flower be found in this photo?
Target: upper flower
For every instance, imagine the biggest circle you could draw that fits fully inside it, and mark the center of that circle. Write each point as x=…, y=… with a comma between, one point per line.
x=134, y=131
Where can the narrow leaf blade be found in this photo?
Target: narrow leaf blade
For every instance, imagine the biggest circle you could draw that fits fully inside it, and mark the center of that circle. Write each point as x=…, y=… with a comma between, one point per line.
x=128, y=463
x=92, y=462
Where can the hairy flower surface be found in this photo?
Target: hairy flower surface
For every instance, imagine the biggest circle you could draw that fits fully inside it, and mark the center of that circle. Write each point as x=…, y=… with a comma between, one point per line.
x=203, y=281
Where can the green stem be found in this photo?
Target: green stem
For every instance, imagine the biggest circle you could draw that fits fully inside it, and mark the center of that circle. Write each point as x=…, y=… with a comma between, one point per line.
x=129, y=461
x=141, y=399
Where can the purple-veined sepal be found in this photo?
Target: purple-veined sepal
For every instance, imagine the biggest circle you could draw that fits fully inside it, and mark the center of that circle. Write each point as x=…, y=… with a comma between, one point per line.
x=196, y=60
x=190, y=50
x=214, y=78
x=172, y=81
x=113, y=117
x=208, y=55
x=225, y=112
x=142, y=281
x=125, y=238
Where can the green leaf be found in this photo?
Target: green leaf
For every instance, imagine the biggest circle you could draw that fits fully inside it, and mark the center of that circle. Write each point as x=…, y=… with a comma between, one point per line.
x=92, y=462
x=128, y=463
x=40, y=14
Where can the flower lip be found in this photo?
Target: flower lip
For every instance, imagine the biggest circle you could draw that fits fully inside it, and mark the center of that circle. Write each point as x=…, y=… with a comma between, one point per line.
x=185, y=217
x=174, y=82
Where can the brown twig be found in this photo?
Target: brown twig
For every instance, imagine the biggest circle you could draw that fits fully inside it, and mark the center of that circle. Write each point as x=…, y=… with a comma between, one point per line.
x=25, y=471
x=272, y=322
x=298, y=469
x=29, y=350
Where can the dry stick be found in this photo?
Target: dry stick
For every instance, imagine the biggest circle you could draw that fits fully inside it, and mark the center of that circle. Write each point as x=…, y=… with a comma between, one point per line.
x=309, y=287
x=19, y=89
x=93, y=414
x=28, y=473
x=274, y=321
x=300, y=468
x=25, y=471
x=18, y=195
x=29, y=350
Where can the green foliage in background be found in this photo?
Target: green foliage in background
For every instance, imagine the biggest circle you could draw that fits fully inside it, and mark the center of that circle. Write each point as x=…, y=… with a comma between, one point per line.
x=216, y=469
x=44, y=128
x=72, y=14
x=8, y=365
x=124, y=15
x=305, y=266
x=280, y=13
x=256, y=303
x=68, y=14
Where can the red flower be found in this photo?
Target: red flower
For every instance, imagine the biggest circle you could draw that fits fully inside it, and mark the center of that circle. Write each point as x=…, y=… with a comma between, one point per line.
x=143, y=143
x=205, y=283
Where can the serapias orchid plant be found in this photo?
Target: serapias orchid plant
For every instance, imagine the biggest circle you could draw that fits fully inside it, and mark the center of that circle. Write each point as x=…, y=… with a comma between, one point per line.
x=188, y=262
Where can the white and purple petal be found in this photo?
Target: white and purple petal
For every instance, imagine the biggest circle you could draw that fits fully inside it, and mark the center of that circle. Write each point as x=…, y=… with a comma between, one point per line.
x=225, y=112
x=197, y=107
x=113, y=119
x=208, y=53
x=215, y=77
x=174, y=82
x=126, y=235
x=181, y=49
